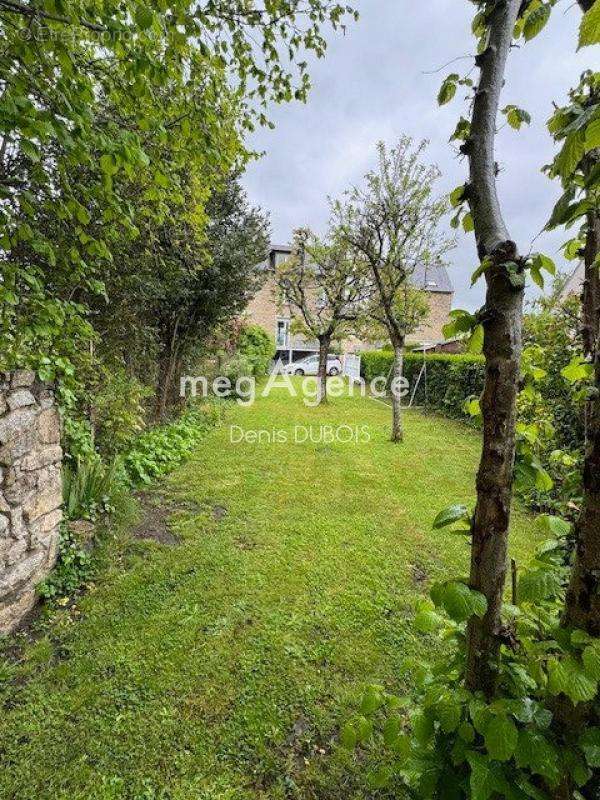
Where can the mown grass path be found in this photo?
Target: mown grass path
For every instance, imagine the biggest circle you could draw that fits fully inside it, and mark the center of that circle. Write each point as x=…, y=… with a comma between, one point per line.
x=221, y=668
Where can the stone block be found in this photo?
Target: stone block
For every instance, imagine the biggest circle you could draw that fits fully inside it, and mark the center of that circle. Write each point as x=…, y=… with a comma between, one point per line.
x=41, y=527
x=12, y=611
x=4, y=525
x=20, y=399
x=15, y=423
x=16, y=551
x=22, y=378
x=43, y=502
x=49, y=426
x=24, y=572
x=47, y=455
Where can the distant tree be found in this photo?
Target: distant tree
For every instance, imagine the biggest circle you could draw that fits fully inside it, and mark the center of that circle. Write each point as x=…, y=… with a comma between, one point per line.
x=324, y=281
x=393, y=221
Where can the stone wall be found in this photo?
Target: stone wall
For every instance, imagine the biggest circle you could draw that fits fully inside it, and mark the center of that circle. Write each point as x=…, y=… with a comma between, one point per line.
x=30, y=491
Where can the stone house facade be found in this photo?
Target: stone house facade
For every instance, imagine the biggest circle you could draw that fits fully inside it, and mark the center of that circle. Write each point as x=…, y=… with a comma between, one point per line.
x=266, y=310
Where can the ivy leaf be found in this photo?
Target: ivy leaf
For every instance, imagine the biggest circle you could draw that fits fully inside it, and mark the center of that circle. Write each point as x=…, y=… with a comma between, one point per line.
x=536, y=21
x=589, y=30
x=500, y=738
x=566, y=676
x=589, y=742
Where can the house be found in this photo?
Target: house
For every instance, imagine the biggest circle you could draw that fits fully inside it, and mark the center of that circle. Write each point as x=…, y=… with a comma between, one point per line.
x=265, y=309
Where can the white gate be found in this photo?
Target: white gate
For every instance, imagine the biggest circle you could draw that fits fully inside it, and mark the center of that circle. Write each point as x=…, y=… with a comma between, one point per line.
x=352, y=367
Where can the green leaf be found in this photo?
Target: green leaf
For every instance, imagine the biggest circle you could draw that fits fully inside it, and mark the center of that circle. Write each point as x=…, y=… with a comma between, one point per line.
x=422, y=726
x=450, y=515
x=571, y=154
x=457, y=196
x=467, y=223
x=475, y=344
x=539, y=584
x=566, y=676
x=591, y=660
x=589, y=742
x=501, y=738
x=461, y=602
x=427, y=621
x=486, y=779
x=577, y=370
x=592, y=135
x=448, y=89
x=30, y=149
x=144, y=17
x=379, y=778
x=536, y=753
x=516, y=117
x=536, y=21
x=348, y=736
x=589, y=30
x=371, y=701
x=551, y=525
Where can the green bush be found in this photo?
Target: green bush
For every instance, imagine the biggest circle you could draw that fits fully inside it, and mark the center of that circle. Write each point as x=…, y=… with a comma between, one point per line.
x=257, y=348
x=448, y=382
x=159, y=450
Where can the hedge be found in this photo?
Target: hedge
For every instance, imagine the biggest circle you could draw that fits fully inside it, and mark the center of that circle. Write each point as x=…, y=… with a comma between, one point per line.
x=449, y=379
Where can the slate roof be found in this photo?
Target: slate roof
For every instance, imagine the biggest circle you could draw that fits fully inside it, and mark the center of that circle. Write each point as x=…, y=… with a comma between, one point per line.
x=431, y=279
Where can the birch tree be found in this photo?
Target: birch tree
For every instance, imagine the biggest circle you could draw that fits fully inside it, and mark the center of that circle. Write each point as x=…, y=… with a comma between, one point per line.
x=393, y=220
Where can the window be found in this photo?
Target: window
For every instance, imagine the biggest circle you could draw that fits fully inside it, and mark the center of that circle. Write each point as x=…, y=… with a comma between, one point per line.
x=283, y=333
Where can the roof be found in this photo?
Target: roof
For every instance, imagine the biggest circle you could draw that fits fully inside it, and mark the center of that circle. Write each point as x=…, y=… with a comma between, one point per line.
x=429, y=278
x=432, y=279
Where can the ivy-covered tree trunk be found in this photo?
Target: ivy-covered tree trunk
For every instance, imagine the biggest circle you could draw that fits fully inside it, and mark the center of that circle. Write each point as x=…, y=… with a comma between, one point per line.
x=324, y=342
x=502, y=320
x=398, y=368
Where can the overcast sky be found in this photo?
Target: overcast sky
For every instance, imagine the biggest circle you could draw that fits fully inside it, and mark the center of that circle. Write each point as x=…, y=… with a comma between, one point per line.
x=373, y=85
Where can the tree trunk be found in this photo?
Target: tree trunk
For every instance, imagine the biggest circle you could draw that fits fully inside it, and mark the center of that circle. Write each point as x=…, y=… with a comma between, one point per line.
x=397, y=428
x=166, y=372
x=324, y=342
x=582, y=608
x=502, y=320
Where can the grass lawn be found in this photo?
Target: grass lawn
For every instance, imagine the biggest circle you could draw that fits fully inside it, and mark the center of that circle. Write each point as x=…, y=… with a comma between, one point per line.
x=221, y=668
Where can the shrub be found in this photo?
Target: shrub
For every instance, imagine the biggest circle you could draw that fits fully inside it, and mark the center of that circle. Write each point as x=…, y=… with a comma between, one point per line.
x=118, y=411
x=159, y=450
x=257, y=347
x=449, y=380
